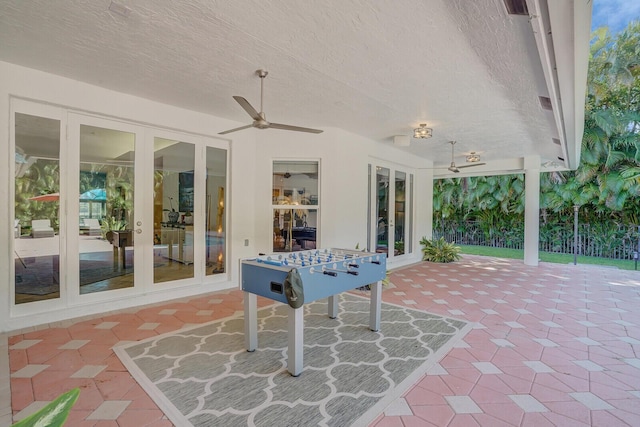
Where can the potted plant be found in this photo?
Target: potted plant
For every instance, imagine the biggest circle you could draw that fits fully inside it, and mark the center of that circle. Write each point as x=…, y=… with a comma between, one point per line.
x=173, y=215
x=110, y=224
x=188, y=217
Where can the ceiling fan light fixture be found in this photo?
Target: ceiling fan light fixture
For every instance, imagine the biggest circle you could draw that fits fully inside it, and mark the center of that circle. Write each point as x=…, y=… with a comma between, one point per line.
x=423, y=132
x=473, y=157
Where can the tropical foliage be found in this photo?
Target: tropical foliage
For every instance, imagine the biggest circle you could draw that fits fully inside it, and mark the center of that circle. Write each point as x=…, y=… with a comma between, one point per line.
x=53, y=414
x=605, y=186
x=439, y=250
x=41, y=178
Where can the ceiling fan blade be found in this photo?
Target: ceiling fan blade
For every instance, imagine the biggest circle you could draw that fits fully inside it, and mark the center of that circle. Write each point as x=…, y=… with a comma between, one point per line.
x=247, y=107
x=453, y=169
x=472, y=165
x=295, y=128
x=233, y=130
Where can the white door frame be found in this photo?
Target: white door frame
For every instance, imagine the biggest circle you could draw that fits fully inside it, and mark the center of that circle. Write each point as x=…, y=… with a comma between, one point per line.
x=409, y=208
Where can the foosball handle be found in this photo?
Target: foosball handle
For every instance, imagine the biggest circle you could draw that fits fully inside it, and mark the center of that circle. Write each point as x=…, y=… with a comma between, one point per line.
x=354, y=266
x=330, y=273
x=354, y=273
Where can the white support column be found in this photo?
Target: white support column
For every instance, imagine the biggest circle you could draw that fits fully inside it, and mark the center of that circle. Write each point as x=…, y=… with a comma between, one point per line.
x=531, y=210
x=423, y=220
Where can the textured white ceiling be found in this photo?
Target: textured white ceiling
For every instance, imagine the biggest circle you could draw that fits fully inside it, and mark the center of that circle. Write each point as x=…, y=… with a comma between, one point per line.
x=374, y=68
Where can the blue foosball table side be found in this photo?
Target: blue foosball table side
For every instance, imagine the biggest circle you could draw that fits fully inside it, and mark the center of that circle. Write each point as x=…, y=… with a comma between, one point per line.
x=324, y=273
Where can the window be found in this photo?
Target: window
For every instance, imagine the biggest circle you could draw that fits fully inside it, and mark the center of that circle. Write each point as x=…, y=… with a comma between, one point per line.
x=295, y=205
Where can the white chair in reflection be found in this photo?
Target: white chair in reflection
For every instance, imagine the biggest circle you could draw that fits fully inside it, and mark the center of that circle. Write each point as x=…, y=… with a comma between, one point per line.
x=17, y=230
x=41, y=228
x=91, y=226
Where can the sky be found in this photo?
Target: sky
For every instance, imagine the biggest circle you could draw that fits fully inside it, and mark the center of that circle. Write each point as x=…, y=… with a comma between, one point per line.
x=616, y=14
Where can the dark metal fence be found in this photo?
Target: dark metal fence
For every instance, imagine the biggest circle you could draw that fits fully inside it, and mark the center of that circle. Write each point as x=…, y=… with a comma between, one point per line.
x=599, y=240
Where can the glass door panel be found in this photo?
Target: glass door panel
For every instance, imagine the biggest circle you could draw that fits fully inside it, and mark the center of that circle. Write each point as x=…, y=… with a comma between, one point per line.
x=106, y=209
x=390, y=198
x=382, y=209
x=295, y=199
x=400, y=189
x=215, y=225
x=173, y=250
x=37, y=208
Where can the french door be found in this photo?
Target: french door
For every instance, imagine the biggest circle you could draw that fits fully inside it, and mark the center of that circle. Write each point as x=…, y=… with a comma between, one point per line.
x=107, y=223
x=104, y=209
x=390, y=210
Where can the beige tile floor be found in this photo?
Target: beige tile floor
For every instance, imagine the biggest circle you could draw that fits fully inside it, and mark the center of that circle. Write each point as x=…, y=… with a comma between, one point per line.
x=554, y=345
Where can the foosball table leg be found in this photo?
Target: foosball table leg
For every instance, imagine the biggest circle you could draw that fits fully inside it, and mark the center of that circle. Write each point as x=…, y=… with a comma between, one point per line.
x=376, y=306
x=250, y=321
x=333, y=306
x=295, y=356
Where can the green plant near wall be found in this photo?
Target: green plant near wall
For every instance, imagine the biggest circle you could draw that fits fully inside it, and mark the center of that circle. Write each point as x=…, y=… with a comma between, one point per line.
x=54, y=414
x=439, y=250
x=111, y=224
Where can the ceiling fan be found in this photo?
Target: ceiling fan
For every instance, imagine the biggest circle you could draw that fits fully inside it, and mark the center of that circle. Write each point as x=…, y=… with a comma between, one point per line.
x=456, y=169
x=259, y=118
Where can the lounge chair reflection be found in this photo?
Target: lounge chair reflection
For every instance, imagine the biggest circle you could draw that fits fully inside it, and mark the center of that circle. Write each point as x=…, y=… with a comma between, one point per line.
x=41, y=228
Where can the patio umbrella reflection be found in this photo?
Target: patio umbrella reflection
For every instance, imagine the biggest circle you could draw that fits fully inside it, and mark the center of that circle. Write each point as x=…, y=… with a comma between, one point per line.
x=52, y=197
x=95, y=194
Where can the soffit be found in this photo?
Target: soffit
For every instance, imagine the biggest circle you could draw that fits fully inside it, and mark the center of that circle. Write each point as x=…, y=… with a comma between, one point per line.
x=373, y=68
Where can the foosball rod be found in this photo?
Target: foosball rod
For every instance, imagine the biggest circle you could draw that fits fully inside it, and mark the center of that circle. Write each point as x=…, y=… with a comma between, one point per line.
x=353, y=273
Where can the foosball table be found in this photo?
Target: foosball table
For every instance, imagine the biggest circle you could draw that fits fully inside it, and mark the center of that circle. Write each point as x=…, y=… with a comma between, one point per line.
x=298, y=278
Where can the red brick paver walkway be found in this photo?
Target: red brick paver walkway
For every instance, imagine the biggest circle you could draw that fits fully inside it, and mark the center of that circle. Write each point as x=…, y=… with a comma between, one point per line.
x=554, y=345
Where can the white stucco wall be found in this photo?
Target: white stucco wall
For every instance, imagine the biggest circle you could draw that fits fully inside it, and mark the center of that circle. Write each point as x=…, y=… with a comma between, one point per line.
x=343, y=187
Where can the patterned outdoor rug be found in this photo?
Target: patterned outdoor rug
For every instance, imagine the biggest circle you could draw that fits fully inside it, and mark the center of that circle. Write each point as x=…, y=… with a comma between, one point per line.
x=203, y=376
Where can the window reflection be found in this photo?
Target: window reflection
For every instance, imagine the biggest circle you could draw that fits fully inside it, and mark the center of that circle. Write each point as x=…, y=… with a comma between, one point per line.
x=215, y=225
x=36, y=215
x=400, y=203
x=105, y=223
x=382, y=204
x=173, y=210
x=295, y=199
